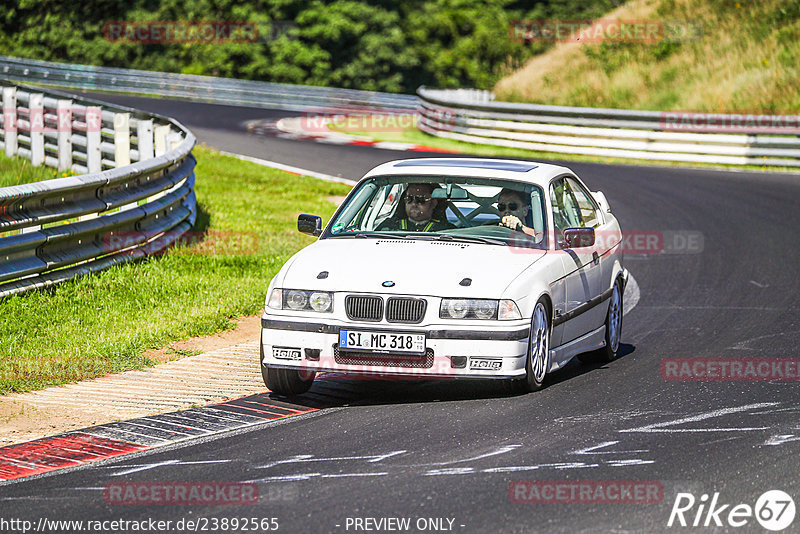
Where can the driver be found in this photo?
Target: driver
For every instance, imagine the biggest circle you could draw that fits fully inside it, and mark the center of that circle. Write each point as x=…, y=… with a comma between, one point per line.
x=418, y=211
x=513, y=210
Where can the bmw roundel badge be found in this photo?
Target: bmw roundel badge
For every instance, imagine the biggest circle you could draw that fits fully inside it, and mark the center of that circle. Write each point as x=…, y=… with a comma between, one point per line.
x=388, y=283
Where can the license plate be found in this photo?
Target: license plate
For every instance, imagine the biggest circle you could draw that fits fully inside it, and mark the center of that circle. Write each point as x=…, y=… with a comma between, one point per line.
x=382, y=341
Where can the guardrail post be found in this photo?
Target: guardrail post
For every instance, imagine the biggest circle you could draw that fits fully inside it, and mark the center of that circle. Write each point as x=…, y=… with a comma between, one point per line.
x=161, y=139
x=94, y=123
x=144, y=134
x=122, y=139
x=36, y=107
x=64, y=117
x=10, y=120
x=174, y=140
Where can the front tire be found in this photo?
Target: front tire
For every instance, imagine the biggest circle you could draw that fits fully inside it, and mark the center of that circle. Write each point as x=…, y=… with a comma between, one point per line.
x=287, y=382
x=537, y=361
x=613, y=330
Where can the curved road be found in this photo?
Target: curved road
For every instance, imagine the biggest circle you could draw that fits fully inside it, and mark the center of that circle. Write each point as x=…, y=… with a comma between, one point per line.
x=451, y=450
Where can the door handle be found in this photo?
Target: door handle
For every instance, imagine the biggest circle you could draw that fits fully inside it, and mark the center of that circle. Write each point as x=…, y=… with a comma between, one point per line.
x=595, y=258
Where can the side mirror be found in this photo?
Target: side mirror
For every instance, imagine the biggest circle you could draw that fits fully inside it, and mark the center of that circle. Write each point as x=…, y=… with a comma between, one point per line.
x=601, y=200
x=579, y=237
x=309, y=224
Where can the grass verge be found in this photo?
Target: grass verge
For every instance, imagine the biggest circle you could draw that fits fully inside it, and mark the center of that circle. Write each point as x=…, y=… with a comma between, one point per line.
x=411, y=134
x=726, y=56
x=16, y=171
x=102, y=323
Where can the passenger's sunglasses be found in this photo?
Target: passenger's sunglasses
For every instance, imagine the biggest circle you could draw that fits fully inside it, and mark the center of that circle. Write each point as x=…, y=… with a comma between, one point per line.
x=512, y=206
x=417, y=199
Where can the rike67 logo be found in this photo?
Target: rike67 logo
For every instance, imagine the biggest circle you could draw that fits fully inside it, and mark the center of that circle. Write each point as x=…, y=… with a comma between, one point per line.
x=774, y=510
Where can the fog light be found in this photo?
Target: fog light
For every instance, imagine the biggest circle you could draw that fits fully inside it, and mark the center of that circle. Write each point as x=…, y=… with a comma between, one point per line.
x=458, y=362
x=312, y=354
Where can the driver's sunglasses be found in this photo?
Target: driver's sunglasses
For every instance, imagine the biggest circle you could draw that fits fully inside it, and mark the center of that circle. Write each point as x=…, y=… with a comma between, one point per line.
x=512, y=206
x=417, y=199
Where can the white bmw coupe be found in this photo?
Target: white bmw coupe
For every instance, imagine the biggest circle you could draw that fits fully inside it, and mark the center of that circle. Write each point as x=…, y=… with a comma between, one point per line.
x=449, y=268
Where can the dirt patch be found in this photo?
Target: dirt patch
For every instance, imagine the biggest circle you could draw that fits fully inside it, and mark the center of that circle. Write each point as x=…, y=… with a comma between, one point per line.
x=247, y=329
x=23, y=419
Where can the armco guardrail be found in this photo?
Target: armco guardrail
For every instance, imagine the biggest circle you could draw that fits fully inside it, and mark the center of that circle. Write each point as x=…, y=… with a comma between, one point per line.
x=473, y=116
x=133, y=198
x=226, y=91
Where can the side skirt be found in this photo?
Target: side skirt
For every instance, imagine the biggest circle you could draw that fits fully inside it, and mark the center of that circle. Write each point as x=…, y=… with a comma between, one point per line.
x=560, y=356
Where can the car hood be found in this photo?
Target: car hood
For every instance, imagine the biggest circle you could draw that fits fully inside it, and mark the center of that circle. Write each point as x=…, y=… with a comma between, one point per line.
x=416, y=267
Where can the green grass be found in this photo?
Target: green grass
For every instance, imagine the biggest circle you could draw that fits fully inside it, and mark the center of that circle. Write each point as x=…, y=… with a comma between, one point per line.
x=736, y=55
x=16, y=171
x=413, y=135
x=103, y=323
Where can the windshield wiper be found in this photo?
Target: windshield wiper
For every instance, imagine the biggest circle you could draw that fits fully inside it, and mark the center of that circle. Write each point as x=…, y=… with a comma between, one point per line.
x=471, y=239
x=379, y=235
x=424, y=236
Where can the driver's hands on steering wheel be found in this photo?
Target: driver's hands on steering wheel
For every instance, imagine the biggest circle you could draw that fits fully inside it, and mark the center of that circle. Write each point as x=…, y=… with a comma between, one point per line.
x=514, y=223
x=511, y=221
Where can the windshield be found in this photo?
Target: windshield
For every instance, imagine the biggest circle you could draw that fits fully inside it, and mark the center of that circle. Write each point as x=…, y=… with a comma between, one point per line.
x=449, y=208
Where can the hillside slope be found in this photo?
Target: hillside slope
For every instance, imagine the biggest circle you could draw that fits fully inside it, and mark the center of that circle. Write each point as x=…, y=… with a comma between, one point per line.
x=745, y=58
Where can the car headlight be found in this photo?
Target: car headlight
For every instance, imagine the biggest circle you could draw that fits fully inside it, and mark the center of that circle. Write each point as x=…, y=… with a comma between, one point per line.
x=301, y=300
x=468, y=309
x=454, y=309
x=296, y=300
x=485, y=309
x=320, y=302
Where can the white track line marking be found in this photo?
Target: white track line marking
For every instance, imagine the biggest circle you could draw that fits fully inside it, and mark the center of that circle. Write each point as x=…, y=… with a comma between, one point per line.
x=354, y=475
x=781, y=439
x=501, y=450
x=593, y=450
x=659, y=427
x=290, y=168
x=301, y=458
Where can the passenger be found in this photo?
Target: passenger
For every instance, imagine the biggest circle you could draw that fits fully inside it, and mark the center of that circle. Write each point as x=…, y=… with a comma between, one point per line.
x=418, y=211
x=513, y=210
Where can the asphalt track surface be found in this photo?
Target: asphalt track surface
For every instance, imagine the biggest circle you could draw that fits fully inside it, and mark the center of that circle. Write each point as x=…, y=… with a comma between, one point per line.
x=413, y=449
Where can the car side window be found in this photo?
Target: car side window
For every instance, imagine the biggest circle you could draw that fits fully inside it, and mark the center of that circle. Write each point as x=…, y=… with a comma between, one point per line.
x=536, y=214
x=383, y=205
x=586, y=206
x=566, y=213
x=354, y=210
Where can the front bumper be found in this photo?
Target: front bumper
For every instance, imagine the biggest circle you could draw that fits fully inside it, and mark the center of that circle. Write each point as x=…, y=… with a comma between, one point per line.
x=491, y=351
